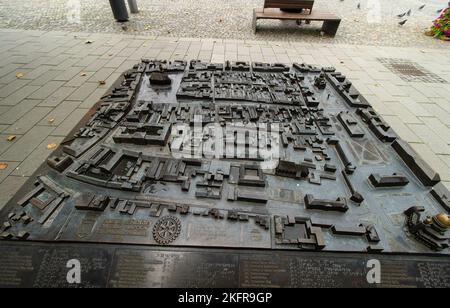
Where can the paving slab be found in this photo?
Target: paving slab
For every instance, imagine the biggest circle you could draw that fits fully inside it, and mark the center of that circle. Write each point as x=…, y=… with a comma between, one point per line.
x=20, y=149
x=58, y=115
x=11, y=76
x=101, y=75
x=79, y=79
x=438, y=112
x=37, y=157
x=68, y=74
x=28, y=121
x=83, y=91
x=402, y=129
x=429, y=137
x=6, y=68
x=19, y=95
x=5, y=144
x=57, y=97
x=438, y=128
x=69, y=123
x=11, y=88
x=93, y=98
x=10, y=168
x=45, y=78
x=9, y=187
x=9, y=115
x=37, y=72
x=46, y=90
x=433, y=160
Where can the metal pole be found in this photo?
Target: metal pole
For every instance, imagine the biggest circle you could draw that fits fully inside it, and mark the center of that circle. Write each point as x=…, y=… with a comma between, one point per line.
x=133, y=6
x=119, y=9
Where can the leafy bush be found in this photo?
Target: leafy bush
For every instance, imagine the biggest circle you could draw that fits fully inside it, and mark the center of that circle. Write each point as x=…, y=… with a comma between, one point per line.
x=441, y=26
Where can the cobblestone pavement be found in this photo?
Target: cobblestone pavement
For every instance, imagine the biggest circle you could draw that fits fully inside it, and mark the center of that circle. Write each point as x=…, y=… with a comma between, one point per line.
x=49, y=80
x=231, y=19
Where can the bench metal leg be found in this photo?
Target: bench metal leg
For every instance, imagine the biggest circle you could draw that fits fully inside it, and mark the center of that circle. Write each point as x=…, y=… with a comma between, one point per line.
x=330, y=27
x=132, y=5
x=254, y=22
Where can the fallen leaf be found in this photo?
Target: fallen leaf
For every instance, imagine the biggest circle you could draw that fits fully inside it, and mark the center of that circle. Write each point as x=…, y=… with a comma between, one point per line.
x=11, y=138
x=51, y=146
x=89, y=42
x=51, y=121
x=3, y=166
x=19, y=75
x=101, y=82
x=83, y=74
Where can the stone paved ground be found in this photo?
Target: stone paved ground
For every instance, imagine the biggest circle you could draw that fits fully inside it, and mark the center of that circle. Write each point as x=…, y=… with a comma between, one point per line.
x=60, y=75
x=231, y=19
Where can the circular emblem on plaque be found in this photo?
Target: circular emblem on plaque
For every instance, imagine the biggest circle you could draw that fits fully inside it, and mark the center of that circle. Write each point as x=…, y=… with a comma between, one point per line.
x=166, y=230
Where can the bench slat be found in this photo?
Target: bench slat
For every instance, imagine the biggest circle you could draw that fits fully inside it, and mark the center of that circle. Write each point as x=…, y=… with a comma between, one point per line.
x=286, y=4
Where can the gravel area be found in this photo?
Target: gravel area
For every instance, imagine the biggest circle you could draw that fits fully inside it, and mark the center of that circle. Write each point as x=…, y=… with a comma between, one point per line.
x=231, y=19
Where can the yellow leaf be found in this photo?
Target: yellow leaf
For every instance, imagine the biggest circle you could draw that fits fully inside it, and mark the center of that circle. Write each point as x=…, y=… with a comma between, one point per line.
x=51, y=146
x=51, y=121
x=3, y=166
x=19, y=75
x=11, y=138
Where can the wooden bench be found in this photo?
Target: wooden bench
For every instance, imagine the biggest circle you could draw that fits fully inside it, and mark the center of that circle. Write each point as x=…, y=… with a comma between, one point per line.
x=290, y=5
x=330, y=25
